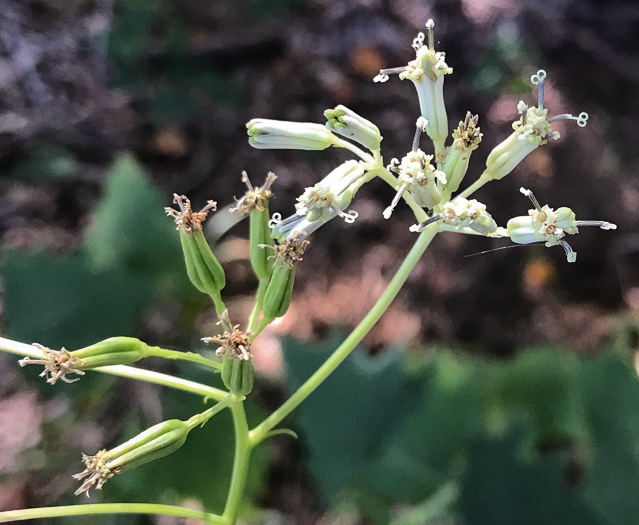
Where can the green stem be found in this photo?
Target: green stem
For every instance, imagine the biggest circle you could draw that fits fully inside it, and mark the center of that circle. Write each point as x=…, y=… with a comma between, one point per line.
x=203, y=417
x=353, y=148
x=342, y=352
x=22, y=349
x=474, y=186
x=240, y=463
x=259, y=301
x=391, y=180
x=263, y=324
x=111, y=508
x=183, y=356
x=220, y=307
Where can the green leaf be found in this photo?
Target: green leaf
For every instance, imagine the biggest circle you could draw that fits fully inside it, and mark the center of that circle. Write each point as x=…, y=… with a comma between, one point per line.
x=611, y=391
x=501, y=486
x=349, y=417
x=541, y=387
x=130, y=227
x=427, y=449
x=60, y=301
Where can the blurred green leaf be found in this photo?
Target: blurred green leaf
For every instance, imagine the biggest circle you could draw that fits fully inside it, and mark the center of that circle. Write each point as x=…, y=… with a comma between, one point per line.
x=61, y=301
x=501, y=487
x=348, y=419
x=542, y=387
x=130, y=227
x=435, y=509
x=427, y=449
x=45, y=161
x=611, y=392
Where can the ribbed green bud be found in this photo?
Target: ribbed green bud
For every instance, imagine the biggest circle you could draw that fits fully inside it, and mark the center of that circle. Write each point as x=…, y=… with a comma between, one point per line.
x=202, y=267
x=260, y=234
x=62, y=363
x=111, y=351
x=238, y=375
x=278, y=294
x=158, y=441
x=255, y=204
x=211, y=278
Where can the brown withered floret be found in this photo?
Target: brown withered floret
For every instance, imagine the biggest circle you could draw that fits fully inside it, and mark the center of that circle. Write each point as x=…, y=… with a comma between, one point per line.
x=291, y=250
x=56, y=364
x=187, y=220
x=467, y=133
x=96, y=473
x=254, y=198
x=234, y=343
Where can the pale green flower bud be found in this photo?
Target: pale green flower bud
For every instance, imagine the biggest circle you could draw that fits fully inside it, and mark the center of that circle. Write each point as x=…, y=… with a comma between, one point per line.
x=531, y=131
x=282, y=134
x=349, y=124
x=427, y=73
x=156, y=442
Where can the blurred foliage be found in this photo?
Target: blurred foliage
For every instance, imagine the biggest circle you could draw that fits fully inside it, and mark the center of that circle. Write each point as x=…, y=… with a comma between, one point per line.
x=544, y=438
x=130, y=257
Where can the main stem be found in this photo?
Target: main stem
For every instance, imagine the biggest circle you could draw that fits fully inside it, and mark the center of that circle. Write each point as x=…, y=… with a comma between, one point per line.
x=110, y=508
x=342, y=352
x=240, y=463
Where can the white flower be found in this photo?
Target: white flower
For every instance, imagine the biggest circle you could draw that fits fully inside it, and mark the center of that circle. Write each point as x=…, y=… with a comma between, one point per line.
x=550, y=226
x=427, y=73
x=321, y=203
x=531, y=131
x=463, y=213
x=419, y=177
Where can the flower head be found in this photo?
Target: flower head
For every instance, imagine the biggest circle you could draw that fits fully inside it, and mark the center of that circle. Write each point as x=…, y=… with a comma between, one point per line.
x=550, y=226
x=234, y=343
x=321, y=203
x=462, y=213
x=254, y=198
x=467, y=137
x=57, y=364
x=427, y=74
x=187, y=220
x=419, y=177
x=532, y=129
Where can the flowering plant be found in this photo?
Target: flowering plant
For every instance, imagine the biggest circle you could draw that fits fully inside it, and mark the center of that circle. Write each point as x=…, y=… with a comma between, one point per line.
x=426, y=182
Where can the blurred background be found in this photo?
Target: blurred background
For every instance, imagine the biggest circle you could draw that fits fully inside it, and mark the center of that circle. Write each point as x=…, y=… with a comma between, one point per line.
x=497, y=389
